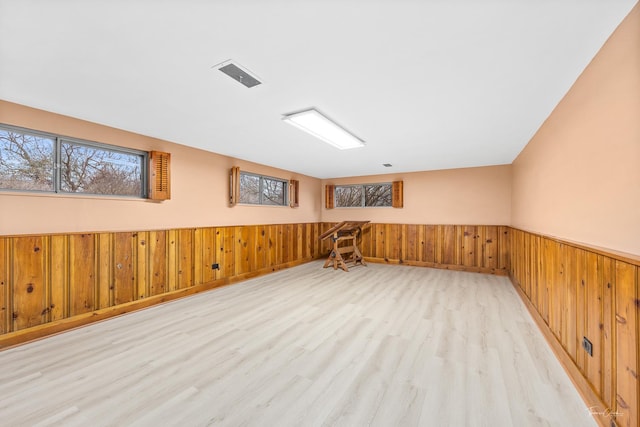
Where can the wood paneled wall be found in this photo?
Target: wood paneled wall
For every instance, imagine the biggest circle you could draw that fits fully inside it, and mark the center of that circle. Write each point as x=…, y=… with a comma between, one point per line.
x=478, y=248
x=49, y=279
x=50, y=283
x=575, y=292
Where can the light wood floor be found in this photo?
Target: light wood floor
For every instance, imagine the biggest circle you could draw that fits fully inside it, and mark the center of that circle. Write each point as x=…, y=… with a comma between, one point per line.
x=381, y=345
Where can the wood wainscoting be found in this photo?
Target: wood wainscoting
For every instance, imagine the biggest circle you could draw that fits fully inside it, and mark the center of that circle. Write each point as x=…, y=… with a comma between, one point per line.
x=51, y=283
x=575, y=292
x=476, y=248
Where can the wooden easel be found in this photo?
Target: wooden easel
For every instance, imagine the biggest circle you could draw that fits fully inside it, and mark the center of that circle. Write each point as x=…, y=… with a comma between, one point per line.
x=344, y=231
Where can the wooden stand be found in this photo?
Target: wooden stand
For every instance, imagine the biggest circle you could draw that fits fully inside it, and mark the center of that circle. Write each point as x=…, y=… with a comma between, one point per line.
x=339, y=256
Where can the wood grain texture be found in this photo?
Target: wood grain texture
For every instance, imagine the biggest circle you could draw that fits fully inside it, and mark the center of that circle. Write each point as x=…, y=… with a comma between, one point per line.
x=51, y=278
x=580, y=292
x=476, y=248
x=380, y=346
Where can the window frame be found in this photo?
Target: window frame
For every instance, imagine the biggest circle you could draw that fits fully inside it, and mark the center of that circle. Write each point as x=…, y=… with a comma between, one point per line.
x=58, y=141
x=285, y=189
x=363, y=195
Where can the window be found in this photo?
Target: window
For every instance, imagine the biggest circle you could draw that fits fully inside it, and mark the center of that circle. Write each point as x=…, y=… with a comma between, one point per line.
x=34, y=161
x=366, y=195
x=262, y=190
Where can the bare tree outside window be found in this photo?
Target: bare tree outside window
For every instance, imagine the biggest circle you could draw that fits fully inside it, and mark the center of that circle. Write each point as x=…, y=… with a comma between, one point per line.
x=249, y=189
x=348, y=196
x=272, y=192
x=377, y=195
x=262, y=190
x=26, y=161
x=85, y=169
x=365, y=195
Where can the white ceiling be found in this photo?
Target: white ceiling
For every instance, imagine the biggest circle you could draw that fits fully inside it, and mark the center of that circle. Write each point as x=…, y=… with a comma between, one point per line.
x=429, y=84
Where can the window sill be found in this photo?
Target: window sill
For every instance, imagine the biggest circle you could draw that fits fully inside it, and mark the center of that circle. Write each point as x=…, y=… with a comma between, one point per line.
x=71, y=196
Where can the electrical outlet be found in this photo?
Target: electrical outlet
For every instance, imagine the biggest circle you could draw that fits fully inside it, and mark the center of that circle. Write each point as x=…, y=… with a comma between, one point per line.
x=588, y=347
x=215, y=266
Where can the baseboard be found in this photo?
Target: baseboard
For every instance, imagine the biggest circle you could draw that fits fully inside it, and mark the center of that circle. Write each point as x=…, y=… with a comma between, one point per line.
x=483, y=270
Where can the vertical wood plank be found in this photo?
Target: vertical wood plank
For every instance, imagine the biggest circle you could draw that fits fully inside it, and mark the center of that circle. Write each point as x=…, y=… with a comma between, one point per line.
x=124, y=272
x=241, y=250
x=82, y=279
x=626, y=344
x=503, y=248
x=185, y=258
x=430, y=242
x=220, y=253
x=581, y=306
x=420, y=243
x=547, y=262
x=4, y=286
x=448, y=244
x=284, y=243
x=59, y=276
x=593, y=365
x=380, y=241
x=490, y=254
x=142, y=265
x=570, y=336
x=271, y=245
x=367, y=241
x=468, y=246
x=229, y=248
x=106, y=268
x=207, y=257
x=29, y=293
x=252, y=255
x=392, y=242
x=555, y=294
x=411, y=236
x=198, y=256
x=607, y=271
x=172, y=259
x=309, y=241
x=157, y=243
x=299, y=242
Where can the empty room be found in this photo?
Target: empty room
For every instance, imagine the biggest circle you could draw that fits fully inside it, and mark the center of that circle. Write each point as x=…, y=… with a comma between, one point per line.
x=319, y=213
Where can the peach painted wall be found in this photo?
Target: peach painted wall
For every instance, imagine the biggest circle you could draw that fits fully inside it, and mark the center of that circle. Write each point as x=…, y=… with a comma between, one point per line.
x=199, y=188
x=579, y=176
x=455, y=196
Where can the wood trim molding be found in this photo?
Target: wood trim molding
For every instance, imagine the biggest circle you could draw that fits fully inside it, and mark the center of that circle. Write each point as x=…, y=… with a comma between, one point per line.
x=234, y=186
x=610, y=253
x=329, y=196
x=453, y=267
x=397, y=194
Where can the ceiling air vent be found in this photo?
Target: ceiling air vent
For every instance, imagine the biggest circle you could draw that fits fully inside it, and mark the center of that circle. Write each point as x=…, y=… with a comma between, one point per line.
x=239, y=73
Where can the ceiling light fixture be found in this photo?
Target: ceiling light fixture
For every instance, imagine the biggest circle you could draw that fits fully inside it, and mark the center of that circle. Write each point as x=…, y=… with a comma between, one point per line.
x=320, y=126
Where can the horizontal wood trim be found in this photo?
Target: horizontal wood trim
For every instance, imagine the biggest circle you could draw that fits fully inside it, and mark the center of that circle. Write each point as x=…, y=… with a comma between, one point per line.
x=609, y=253
x=452, y=267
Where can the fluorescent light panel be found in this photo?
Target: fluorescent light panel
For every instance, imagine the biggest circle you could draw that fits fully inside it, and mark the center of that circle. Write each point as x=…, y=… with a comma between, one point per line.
x=316, y=124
